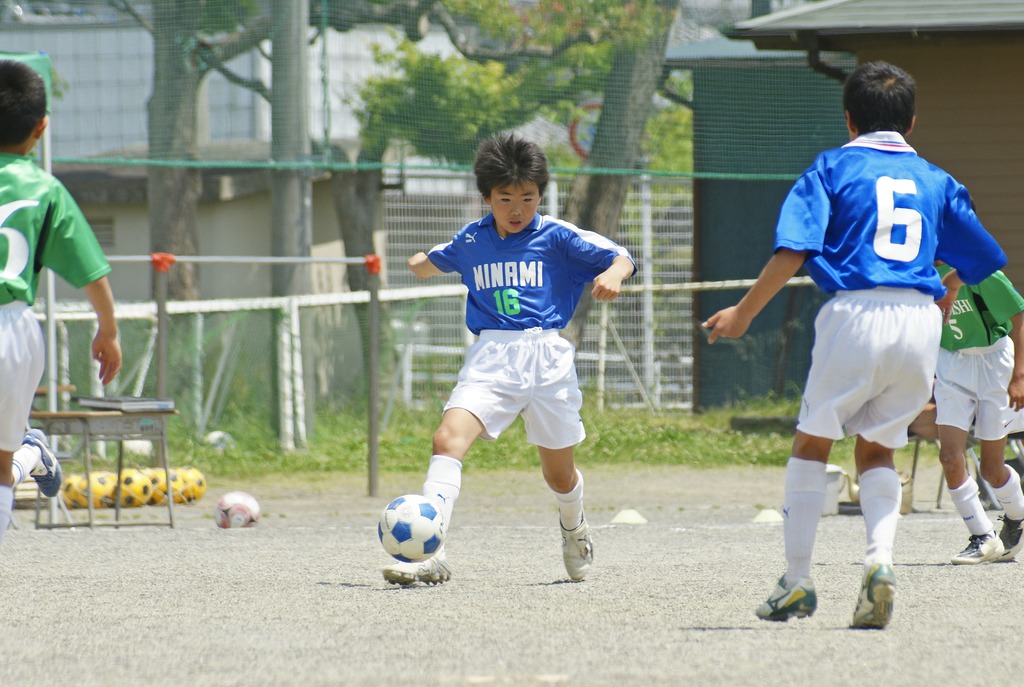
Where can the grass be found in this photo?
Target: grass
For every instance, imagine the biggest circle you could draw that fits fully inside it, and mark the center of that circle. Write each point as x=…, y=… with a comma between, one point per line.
x=616, y=436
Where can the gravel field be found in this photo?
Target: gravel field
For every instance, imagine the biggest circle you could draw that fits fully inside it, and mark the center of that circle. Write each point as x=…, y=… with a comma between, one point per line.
x=299, y=599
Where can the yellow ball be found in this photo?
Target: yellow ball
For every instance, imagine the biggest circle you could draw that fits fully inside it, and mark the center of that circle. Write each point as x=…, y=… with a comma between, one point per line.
x=136, y=488
x=72, y=491
x=103, y=485
x=158, y=477
x=195, y=484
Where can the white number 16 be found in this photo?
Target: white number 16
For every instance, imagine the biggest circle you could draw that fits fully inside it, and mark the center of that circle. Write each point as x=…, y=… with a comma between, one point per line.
x=889, y=216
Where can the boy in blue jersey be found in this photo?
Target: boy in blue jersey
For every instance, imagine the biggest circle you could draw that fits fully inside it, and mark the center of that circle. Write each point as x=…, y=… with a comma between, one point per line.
x=867, y=221
x=525, y=273
x=979, y=382
x=40, y=225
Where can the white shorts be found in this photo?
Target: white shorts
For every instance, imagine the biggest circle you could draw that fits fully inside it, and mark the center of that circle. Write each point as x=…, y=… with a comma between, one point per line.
x=530, y=373
x=872, y=365
x=970, y=387
x=22, y=358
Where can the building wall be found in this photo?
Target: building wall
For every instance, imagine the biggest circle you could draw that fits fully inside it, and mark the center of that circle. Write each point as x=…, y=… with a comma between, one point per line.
x=969, y=105
x=228, y=228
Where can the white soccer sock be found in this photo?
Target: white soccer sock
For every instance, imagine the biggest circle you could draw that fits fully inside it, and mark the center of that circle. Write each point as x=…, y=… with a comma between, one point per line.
x=1011, y=496
x=968, y=505
x=26, y=459
x=443, y=483
x=6, y=506
x=570, y=504
x=801, y=510
x=880, y=496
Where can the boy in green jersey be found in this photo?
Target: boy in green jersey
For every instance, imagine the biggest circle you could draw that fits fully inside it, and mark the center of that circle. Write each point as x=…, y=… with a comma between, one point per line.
x=40, y=226
x=979, y=380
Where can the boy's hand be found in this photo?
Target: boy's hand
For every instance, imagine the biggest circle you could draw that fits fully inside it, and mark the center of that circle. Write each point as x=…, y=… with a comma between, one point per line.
x=107, y=352
x=606, y=287
x=946, y=304
x=728, y=323
x=1016, y=391
x=608, y=284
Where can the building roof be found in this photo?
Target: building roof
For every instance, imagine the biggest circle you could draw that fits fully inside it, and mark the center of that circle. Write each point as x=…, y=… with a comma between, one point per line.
x=836, y=18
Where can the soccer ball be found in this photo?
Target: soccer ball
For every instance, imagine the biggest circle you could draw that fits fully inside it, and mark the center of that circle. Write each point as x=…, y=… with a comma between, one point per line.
x=103, y=486
x=159, y=478
x=136, y=488
x=222, y=441
x=73, y=491
x=411, y=528
x=195, y=484
x=236, y=509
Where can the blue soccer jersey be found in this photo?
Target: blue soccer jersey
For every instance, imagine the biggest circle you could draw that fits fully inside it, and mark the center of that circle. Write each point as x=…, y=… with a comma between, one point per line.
x=873, y=213
x=533, y=278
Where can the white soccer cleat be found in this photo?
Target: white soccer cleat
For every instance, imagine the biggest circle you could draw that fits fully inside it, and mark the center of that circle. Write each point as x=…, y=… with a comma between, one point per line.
x=434, y=570
x=577, y=550
x=798, y=600
x=980, y=549
x=874, y=604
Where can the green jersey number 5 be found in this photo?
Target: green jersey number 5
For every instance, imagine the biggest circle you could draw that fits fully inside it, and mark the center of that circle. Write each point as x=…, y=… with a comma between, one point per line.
x=17, y=245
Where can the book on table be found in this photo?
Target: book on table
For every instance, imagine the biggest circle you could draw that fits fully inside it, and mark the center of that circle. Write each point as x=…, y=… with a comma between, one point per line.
x=127, y=404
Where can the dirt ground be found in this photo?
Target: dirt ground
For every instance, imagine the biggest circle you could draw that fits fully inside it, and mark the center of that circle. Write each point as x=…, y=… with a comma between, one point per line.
x=299, y=599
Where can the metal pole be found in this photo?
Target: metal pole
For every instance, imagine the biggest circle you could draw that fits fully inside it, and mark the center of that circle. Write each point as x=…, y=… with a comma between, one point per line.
x=647, y=270
x=373, y=377
x=162, y=264
x=161, y=335
x=51, y=299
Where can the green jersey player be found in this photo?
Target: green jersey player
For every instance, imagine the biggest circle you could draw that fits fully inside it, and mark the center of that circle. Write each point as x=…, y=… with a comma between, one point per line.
x=40, y=226
x=979, y=381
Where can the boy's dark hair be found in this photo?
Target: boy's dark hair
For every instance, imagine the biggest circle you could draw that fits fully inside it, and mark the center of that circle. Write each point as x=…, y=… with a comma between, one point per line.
x=880, y=97
x=22, y=101
x=505, y=160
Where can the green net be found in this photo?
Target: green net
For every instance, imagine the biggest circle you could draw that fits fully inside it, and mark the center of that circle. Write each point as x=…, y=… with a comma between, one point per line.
x=347, y=127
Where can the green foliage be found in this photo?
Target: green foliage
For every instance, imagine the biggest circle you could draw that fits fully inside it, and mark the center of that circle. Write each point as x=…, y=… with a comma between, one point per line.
x=443, y=107
x=457, y=103
x=668, y=144
x=622, y=436
x=219, y=16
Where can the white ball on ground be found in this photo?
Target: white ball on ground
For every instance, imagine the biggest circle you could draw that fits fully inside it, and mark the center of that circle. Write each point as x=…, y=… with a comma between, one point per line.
x=219, y=440
x=236, y=509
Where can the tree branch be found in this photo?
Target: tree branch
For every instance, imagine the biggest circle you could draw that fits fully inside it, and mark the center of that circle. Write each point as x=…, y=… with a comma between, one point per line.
x=508, y=54
x=214, y=54
x=129, y=9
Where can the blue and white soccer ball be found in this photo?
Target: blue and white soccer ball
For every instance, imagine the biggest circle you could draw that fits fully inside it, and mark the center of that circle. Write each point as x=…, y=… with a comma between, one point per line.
x=411, y=528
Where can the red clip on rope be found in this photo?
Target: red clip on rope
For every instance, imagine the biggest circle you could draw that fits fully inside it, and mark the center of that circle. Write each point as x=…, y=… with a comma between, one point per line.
x=373, y=264
x=162, y=261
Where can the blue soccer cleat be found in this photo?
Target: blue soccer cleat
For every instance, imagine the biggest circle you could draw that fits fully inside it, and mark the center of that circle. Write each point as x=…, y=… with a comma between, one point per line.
x=49, y=478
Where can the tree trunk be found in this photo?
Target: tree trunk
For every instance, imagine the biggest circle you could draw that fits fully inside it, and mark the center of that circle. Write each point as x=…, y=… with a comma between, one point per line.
x=595, y=201
x=357, y=203
x=173, y=192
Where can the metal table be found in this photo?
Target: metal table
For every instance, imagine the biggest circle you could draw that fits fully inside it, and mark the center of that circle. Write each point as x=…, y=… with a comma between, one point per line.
x=108, y=425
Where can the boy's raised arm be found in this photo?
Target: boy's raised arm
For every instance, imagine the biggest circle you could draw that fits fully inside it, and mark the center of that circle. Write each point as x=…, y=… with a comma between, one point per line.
x=421, y=266
x=608, y=284
x=734, y=321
